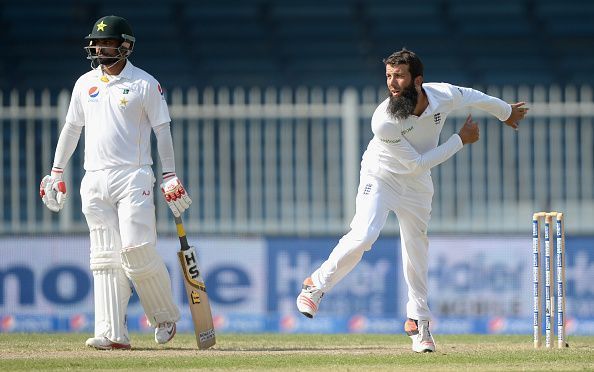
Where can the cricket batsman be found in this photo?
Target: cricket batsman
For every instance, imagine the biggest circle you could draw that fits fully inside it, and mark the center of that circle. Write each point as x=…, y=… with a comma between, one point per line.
x=119, y=105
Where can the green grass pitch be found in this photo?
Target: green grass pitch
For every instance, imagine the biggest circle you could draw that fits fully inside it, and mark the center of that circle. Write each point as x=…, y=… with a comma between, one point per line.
x=295, y=352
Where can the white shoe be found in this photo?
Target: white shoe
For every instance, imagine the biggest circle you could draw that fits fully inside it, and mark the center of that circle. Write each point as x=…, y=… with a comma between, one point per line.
x=422, y=341
x=165, y=332
x=309, y=298
x=103, y=343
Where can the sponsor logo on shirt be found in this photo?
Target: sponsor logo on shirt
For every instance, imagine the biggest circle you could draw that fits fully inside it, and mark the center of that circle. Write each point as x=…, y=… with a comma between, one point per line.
x=93, y=93
x=391, y=141
x=407, y=130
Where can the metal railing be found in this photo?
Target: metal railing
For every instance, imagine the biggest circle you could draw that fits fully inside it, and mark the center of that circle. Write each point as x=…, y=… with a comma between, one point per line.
x=286, y=161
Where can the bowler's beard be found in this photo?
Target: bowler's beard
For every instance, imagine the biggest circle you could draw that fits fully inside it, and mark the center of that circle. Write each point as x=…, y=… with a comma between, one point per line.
x=402, y=106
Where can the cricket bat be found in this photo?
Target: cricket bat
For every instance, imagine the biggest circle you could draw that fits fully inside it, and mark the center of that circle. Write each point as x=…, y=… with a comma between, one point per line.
x=196, y=290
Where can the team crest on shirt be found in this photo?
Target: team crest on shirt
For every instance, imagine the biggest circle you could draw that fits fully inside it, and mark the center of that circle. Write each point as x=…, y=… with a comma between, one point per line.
x=93, y=93
x=437, y=118
x=123, y=102
x=367, y=189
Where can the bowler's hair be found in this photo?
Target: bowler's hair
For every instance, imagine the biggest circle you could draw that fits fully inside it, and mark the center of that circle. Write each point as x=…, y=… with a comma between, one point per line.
x=406, y=57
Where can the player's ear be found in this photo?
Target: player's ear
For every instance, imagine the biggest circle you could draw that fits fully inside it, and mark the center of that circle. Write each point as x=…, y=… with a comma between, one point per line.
x=419, y=81
x=125, y=48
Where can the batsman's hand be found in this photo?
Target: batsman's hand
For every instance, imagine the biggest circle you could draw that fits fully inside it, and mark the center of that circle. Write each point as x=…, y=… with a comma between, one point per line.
x=175, y=194
x=53, y=190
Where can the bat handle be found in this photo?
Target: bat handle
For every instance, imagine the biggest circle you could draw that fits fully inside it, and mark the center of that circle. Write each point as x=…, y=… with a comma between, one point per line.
x=181, y=233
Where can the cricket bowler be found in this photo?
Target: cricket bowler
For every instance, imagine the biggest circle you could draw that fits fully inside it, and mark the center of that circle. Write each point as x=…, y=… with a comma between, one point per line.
x=396, y=176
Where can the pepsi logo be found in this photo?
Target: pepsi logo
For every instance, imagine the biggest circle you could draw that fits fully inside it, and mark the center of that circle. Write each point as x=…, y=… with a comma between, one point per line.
x=287, y=323
x=93, y=92
x=78, y=322
x=7, y=323
x=357, y=323
x=496, y=324
x=144, y=323
x=571, y=325
x=219, y=321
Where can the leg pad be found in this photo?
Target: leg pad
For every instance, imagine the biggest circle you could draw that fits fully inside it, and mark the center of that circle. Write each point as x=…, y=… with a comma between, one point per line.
x=112, y=288
x=146, y=269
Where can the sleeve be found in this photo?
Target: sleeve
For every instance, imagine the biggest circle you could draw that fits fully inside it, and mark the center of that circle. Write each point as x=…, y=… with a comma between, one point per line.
x=402, y=150
x=76, y=114
x=70, y=134
x=67, y=142
x=165, y=147
x=464, y=97
x=155, y=104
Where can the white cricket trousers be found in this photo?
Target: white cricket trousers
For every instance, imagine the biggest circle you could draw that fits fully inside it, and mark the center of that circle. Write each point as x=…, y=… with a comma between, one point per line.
x=119, y=209
x=411, y=201
x=121, y=199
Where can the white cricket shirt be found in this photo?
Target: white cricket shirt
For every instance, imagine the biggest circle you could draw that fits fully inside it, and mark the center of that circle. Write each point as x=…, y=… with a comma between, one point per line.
x=410, y=147
x=118, y=116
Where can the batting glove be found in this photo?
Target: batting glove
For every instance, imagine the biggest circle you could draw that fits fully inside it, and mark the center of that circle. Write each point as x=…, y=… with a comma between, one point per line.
x=53, y=190
x=175, y=195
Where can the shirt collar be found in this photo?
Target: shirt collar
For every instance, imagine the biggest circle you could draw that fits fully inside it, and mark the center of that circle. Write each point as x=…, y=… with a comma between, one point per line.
x=126, y=72
x=430, y=106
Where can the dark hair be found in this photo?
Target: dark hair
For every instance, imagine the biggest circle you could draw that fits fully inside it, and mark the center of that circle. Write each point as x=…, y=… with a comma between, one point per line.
x=406, y=57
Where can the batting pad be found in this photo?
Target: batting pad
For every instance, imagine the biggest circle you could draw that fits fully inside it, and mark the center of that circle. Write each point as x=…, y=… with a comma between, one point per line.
x=112, y=287
x=146, y=269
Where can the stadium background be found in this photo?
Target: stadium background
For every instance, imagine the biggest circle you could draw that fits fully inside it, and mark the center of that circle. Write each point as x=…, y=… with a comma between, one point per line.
x=271, y=102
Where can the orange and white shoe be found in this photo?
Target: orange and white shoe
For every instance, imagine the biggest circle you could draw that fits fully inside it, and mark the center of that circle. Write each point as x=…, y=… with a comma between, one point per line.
x=103, y=343
x=309, y=299
x=422, y=340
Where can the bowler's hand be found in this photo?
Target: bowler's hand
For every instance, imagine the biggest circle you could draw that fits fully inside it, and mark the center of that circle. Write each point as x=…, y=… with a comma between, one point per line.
x=175, y=194
x=469, y=133
x=518, y=113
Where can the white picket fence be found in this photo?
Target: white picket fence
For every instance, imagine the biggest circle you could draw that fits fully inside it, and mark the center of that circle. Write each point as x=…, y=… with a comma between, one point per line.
x=286, y=162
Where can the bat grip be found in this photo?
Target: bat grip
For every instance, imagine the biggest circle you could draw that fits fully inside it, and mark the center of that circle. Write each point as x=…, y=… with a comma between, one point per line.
x=181, y=233
x=184, y=243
